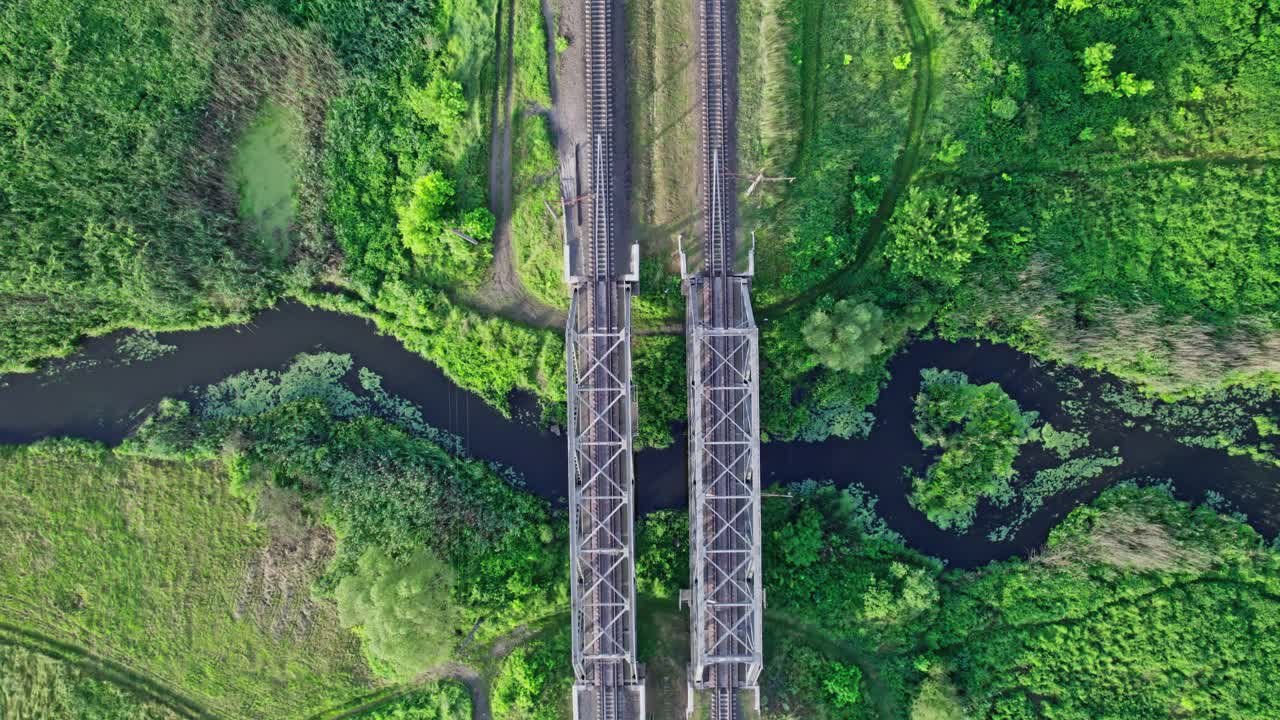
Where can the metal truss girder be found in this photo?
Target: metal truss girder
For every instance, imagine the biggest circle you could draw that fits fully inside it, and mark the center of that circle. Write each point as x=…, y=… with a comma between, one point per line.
x=601, y=489
x=724, y=467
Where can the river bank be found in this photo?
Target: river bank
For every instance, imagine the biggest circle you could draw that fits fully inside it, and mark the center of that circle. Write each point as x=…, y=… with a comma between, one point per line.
x=99, y=395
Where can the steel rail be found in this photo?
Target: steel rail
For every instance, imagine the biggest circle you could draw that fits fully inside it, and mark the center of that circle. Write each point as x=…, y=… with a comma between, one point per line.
x=600, y=414
x=725, y=597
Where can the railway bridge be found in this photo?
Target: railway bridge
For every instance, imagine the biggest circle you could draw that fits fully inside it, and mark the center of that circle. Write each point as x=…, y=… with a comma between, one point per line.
x=609, y=682
x=725, y=597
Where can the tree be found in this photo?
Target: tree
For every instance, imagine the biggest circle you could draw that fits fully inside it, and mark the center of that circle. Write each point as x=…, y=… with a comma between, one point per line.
x=934, y=235
x=421, y=220
x=403, y=610
x=848, y=336
x=980, y=430
x=436, y=236
x=843, y=684
x=801, y=539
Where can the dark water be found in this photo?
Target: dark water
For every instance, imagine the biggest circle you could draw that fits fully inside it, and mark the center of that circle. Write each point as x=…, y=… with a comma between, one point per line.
x=97, y=396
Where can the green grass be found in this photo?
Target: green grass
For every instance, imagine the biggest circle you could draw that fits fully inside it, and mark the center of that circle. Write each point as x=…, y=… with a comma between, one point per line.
x=537, y=236
x=267, y=177
x=33, y=685
x=663, y=77
x=837, y=128
x=663, y=646
x=441, y=700
x=535, y=167
x=154, y=565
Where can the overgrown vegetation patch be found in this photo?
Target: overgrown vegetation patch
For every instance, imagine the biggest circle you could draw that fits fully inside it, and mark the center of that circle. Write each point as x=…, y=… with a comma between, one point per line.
x=979, y=430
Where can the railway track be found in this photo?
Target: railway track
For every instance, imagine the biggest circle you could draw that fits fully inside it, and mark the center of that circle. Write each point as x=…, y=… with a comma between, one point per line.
x=608, y=683
x=724, y=409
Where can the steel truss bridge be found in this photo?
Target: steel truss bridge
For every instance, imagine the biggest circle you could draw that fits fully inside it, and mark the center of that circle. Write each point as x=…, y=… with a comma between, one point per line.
x=601, y=413
x=725, y=596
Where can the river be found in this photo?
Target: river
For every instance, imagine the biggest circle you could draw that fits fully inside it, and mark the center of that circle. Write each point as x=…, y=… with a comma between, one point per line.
x=98, y=396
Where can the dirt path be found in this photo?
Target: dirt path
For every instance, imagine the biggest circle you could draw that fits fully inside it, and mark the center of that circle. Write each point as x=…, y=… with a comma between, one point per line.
x=116, y=673
x=904, y=170
x=504, y=294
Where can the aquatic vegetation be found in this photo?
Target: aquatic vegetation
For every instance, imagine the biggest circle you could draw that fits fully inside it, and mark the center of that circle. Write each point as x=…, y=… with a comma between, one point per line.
x=978, y=430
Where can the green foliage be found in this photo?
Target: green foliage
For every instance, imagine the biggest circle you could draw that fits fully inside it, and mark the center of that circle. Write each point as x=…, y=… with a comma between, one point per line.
x=440, y=700
x=434, y=238
x=533, y=682
x=388, y=482
x=1097, y=65
x=800, y=541
x=662, y=554
x=863, y=585
x=365, y=35
x=906, y=593
x=801, y=399
x=1062, y=442
x=848, y=336
x=843, y=684
x=804, y=681
x=1102, y=627
x=1134, y=183
x=1072, y=474
x=933, y=236
x=658, y=369
x=1266, y=426
x=402, y=611
x=937, y=701
x=35, y=686
x=1138, y=604
x=401, y=136
x=103, y=214
x=979, y=430
x=789, y=124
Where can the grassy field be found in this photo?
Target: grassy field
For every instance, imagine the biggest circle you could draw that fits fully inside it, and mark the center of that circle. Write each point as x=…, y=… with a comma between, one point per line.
x=33, y=685
x=157, y=567
x=535, y=170
x=266, y=174
x=663, y=79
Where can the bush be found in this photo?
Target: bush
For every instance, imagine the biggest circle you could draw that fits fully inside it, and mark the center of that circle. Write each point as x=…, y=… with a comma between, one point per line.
x=403, y=611
x=444, y=700
x=979, y=430
x=662, y=553
x=933, y=236
x=533, y=682
x=843, y=684
x=847, y=337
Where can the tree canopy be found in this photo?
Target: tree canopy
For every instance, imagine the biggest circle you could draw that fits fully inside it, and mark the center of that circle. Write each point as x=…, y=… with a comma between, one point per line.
x=979, y=430
x=402, y=609
x=847, y=336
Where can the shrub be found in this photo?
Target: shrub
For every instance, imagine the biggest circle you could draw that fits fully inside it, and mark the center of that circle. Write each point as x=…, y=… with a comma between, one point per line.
x=402, y=610
x=848, y=336
x=934, y=235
